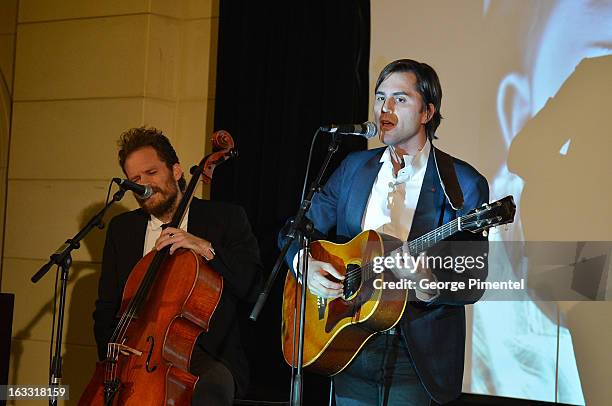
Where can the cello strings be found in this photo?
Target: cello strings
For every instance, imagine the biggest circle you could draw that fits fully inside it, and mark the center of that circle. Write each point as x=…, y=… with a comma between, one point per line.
x=121, y=329
x=158, y=259
x=134, y=304
x=138, y=298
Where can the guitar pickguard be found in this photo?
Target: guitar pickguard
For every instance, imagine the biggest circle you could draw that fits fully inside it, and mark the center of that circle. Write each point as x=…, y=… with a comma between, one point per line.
x=356, y=294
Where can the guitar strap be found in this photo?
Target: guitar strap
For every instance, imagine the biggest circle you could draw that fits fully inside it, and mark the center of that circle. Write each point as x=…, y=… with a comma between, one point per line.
x=448, y=178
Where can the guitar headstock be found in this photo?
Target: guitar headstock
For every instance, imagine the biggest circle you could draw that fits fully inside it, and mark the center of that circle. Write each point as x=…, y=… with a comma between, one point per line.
x=489, y=215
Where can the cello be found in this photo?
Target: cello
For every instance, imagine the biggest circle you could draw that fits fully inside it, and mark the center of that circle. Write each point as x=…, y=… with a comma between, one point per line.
x=168, y=301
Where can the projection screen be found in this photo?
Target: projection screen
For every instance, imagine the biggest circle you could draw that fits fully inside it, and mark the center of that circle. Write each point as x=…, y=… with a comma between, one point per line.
x=527, y=99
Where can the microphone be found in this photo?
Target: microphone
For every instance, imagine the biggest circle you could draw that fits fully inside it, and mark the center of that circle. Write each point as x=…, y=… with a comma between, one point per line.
x=366, y=130
x=142, y=191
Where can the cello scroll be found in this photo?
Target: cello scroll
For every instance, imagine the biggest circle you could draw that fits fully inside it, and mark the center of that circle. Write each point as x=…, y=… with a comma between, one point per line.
x=223, y=147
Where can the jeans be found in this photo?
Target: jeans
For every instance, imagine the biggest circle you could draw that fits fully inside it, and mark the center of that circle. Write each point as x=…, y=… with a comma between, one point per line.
x=382, y=374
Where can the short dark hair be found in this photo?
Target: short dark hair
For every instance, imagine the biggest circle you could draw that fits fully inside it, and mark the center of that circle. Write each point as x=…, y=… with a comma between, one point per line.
x=427, y=84
x=142, y=137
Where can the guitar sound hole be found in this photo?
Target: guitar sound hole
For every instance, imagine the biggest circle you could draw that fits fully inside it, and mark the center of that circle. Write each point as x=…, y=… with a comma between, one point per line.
x=352, y=282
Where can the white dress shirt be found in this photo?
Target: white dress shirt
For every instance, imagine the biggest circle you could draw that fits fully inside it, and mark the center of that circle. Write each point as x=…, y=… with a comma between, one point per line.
x=393, y=199
x=154, y=229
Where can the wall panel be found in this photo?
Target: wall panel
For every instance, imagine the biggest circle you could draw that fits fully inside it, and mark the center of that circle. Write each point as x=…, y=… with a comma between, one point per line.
x=163, y=58
x=8, y=27
x=44, y=10
x=7, y=52
x=42, y=214
x=34, y=320
x=102, y=57
x=8, y=16
x=186, y=9
x=195, y=60
x=70, y=139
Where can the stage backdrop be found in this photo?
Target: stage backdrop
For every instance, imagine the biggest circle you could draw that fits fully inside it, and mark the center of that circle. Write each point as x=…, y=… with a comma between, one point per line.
x=527, y=97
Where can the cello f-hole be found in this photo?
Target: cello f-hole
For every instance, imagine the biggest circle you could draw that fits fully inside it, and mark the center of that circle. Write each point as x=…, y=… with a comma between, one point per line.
x=150, y=338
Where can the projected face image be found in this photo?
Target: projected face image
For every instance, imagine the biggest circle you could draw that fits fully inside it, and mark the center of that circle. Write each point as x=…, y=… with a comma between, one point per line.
x=554, y=126
x=399, y=113
x=553, y=59
x=574, y=33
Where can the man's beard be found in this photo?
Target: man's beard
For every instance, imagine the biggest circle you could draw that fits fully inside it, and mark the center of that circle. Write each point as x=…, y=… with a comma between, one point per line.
x=165, y=206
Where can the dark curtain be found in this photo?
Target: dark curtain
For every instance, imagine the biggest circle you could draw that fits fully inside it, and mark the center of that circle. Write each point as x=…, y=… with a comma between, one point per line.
x=284, y=69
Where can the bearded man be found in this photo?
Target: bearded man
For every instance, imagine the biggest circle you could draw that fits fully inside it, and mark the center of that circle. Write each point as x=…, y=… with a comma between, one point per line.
x=219, y=232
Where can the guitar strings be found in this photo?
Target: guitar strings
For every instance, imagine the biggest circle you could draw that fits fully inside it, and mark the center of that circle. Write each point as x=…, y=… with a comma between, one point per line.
x=450, y=227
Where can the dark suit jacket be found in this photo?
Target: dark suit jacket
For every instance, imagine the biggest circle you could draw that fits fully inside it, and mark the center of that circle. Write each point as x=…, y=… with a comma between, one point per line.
x=434, y=331
x=237, y=261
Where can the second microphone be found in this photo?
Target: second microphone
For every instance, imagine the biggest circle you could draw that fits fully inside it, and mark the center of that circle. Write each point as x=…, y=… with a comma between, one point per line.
x=142, y=191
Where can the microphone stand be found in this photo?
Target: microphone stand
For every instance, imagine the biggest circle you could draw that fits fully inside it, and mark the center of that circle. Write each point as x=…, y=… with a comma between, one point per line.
x=301, y=228
x=63, y=259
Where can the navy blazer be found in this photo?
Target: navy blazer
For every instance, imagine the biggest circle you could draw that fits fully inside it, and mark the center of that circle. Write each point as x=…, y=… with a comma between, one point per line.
x=434, y=331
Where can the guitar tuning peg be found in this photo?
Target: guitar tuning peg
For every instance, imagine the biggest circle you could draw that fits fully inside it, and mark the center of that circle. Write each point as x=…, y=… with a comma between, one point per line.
x=485, y=233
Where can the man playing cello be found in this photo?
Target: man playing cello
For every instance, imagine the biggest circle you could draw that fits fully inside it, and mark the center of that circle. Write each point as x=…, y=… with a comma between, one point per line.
x=218, y=232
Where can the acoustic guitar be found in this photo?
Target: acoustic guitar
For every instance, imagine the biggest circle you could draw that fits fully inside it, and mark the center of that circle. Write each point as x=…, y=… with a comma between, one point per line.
x=335, y=330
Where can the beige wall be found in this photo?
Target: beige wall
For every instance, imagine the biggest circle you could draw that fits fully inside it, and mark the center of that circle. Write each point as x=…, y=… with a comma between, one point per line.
x=8, y=29
x=84, y=72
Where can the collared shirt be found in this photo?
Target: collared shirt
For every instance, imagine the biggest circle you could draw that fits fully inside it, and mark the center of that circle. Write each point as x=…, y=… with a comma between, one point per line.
x=393, y=199
x=154, y=229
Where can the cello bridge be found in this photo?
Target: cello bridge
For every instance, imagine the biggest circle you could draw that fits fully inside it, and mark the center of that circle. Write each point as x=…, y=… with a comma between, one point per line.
x=125, y=350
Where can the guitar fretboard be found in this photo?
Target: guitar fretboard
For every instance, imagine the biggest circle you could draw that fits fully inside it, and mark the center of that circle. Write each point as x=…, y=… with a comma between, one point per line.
x=417, y=246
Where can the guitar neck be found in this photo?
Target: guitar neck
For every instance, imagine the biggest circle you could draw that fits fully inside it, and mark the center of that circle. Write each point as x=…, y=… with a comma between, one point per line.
x=426, y=241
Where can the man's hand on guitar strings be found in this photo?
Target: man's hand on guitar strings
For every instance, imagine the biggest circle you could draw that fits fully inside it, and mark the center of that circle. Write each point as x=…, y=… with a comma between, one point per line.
x=321, y=281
